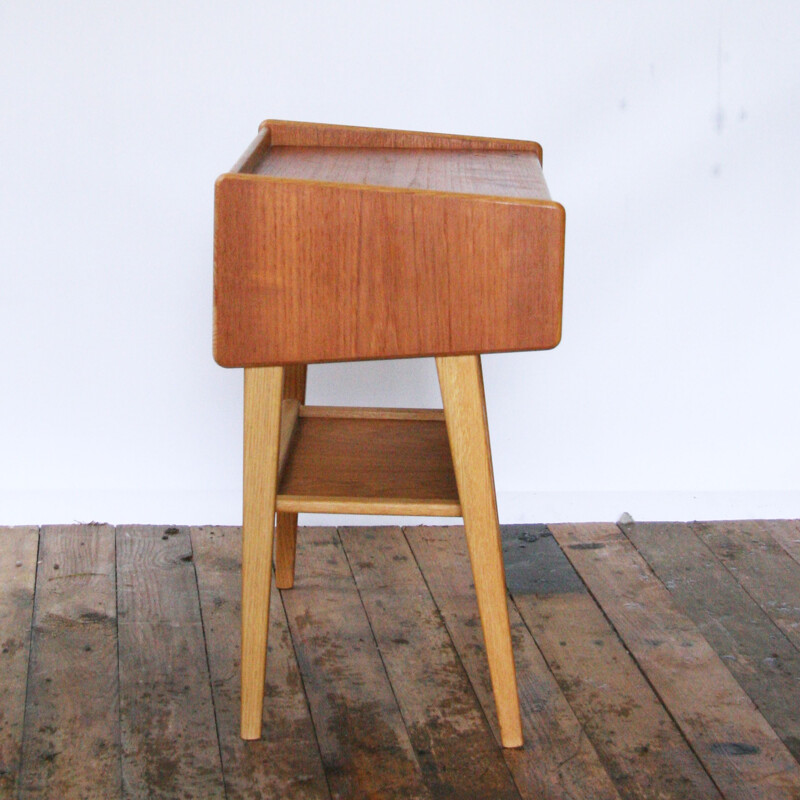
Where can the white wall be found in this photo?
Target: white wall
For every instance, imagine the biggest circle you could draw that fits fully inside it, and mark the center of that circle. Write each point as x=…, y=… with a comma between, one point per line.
x=670, y=133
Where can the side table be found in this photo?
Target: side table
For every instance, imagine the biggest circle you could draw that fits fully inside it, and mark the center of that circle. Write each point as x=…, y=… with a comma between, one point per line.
x=336, y=243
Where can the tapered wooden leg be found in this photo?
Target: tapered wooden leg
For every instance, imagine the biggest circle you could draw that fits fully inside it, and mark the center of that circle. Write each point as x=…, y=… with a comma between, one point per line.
x=262, y=415
x=461, y=383
x=294, y=388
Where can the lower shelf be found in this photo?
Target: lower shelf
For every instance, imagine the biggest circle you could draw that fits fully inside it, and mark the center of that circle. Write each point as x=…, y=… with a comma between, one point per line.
x=368, y=461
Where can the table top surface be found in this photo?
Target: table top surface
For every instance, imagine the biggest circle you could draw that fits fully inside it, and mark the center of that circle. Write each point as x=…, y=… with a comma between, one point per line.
x=512, y=174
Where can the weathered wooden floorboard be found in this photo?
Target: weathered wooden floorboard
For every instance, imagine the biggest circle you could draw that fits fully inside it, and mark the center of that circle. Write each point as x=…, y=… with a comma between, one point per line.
x=169, y=739
x=786, y=532
x=285, y=763
x=71, y=736
x=18, y=550
x=557, y=760
x=364, y=744
x=637, y=741
x=656, y=710
x=740, y=751
x=454, y=744
x=753, y=648
x=762, y=566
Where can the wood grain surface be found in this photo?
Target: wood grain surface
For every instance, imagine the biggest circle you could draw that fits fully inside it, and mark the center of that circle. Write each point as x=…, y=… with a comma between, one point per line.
x=314, y=134
x=169, y=739
x=284, y=764
x=369, y=464
x=263, y=392
x=634, y=736
x=18, y=550
x=364, y=744
x=762, y=566
x=72, y=734
x=478, y=172
x=461, y=382
x=441, y=246
x=753, y=648
x=734, y=742
x=784, y=531
x=371, y=688
x=452, y=740
x=294, y=391
x=558, y=761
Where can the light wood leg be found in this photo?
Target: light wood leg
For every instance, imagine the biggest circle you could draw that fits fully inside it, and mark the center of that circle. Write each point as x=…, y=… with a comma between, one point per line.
x=262, y=415
x=285, y=549
x=294, y=388
x=461, y=383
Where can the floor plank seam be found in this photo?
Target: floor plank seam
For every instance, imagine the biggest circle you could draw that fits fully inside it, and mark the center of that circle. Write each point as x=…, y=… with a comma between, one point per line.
x=783, y=545
x=621, y=527
x=661, y=700
x=208, y=667
x=305, y=691
x=455, y=649
x=478, y=703
x=744, y=588
x=767, y=620
x=584, y=735
x=685, y=590
x=585, y=738
x=377, y=648
x=119, y=687
x=633, y=658
x=30, y=663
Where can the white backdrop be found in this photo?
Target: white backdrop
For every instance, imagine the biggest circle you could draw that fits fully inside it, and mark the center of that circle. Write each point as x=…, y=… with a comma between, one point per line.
x=670, y=133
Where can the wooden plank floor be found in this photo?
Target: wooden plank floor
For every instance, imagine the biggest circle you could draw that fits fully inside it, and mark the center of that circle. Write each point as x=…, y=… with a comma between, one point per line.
x=655, y=660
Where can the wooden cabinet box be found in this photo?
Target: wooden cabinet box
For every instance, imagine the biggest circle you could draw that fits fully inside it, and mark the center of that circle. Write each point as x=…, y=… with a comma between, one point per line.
x=335, y=243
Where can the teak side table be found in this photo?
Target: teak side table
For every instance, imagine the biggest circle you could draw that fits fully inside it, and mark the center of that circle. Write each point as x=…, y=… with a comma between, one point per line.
x=335, y=243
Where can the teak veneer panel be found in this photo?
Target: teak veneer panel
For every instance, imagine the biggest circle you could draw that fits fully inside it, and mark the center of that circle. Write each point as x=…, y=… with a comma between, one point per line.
x=335, y=243
x=479, y=172
x=369, y=465
x=314, y=134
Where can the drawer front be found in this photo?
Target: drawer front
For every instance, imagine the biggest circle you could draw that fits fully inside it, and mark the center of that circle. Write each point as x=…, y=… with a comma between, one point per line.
x=308, y=272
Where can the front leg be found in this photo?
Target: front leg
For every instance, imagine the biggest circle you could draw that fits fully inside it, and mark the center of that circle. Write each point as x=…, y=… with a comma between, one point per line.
x=263, y=388
x=461, y=383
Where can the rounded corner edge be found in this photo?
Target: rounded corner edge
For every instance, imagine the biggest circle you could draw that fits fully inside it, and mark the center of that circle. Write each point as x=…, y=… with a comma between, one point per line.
x=557, y=338
x=219, y=357
x=221, y=179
